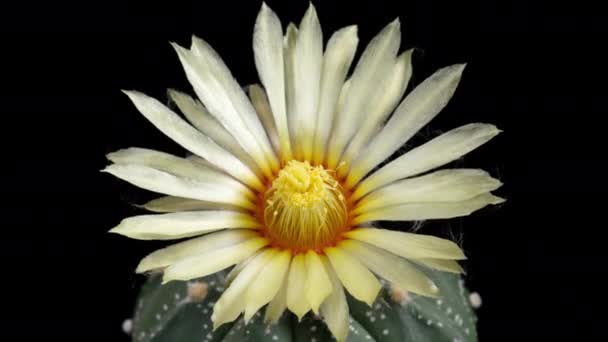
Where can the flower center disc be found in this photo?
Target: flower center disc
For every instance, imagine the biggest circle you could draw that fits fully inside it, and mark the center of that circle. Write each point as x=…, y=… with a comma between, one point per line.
x=305, y=207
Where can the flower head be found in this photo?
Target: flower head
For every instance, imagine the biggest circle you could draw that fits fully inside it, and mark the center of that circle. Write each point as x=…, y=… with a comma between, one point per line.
x=284, y=183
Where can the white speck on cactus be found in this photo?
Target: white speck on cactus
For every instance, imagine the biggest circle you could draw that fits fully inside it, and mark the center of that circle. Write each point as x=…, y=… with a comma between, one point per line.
x=475, y=300
x=382, y=316
x=385, y=332
x=127, y=326
x=313, y=328
x=275, y=337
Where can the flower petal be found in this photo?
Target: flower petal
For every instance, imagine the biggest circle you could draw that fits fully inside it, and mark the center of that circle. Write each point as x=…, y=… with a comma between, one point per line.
x=162, y=182
x=289, y=59
x=440, y=264
x=400, y=271
x=335, y=309
x=212, y=261
x=416, y=110
x=183, y=224
x=200, y=118
x=164, y=257
x=385, y=100
x=187, y=136
x=259, y=100
x=437, y=152
x=318, y=283
x=268, y=52
x=308, y=56
x=296, y=287
x=171, y=204
x=451, y=185
x=337, y=59
x=277, y=305
x=429, y=210
x=355, y=277
x=231, y=303
x=408, y=245
x=375, y=64
x=177, y=166
x=267, y=284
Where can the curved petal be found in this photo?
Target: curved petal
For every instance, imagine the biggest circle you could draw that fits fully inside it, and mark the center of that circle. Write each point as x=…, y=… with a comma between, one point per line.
x=289, y=59
x=451, y=185
x=167, y=256
x=231, y=303
x=429, y=210
x=184, y=224
x=268, y=52
x=213, y=261
x=296, y=287
x=440, y=264
x=408, y=245
x=355, y=277
x=337, y=59
x=277, y=305
x=194, y=141
x=374, y=65
x=162, y=182
x=259, y=100
x=437, y=152
x=416, y=110
x=318, y=283
x=267, y=284
x=171, y=204
x=400, y=271
x=335, y=309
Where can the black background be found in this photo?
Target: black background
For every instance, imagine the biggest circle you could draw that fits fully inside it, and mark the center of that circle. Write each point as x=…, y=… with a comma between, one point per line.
x=536, y=70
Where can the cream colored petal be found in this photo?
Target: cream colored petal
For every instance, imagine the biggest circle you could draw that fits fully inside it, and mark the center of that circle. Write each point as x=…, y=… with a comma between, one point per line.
x=268, y=52
x=429, y=210
x=289, y=56
x=171, y=204
x=318, y=284
x=308, y=55
x=408, y=245
x=200, y=118
x=296, y=287
x=222, y=96
x=337, y=59
x=335, y=309
x=440, y=264
x=162, y=182
x=277, y=305
x=416, y=110
x=177, y=166
x=183, y=224
x=231, y=303
x=213, y=261
x=385, y=100
x=450, y=185
x=375, y=64
x=437, y=152
x=267, y=284
x=355, y=277
x=167, y=256
x=259, y=100
x=240, y=266
x=391, y=267
x=187, y=136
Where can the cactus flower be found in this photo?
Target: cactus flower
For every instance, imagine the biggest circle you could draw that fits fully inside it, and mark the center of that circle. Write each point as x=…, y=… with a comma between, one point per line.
x=285, y=179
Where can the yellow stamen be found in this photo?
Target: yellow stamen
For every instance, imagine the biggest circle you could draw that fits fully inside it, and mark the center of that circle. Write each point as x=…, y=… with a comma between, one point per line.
x=305, y=207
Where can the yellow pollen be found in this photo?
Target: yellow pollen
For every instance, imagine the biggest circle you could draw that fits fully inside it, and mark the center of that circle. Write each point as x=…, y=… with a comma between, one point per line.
x=305, y=207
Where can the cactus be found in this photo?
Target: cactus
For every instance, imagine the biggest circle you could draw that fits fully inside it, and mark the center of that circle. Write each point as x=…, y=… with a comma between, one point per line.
x=181, y=311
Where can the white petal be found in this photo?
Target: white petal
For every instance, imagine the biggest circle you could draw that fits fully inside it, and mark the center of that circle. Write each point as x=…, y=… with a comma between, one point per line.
x=437, y=152
x=416, y=110
x=289, y=59
x=375, y=64
x=169, y=255
x=385, y=100
x=170, y=204
x=308, y=55
x=231, y=303
x=335, y=309
x=177, y=166
x=429, y=210
x=337, y=59
x=200, y=118
x=277, y=305
x=268, y=52
x=450, y=185
x=177, y=129
x=165, y=183
x=267, y=283
x=213, y=261
x=221, y=95
x=184, y=224
x=400, y=272
x=258, y=98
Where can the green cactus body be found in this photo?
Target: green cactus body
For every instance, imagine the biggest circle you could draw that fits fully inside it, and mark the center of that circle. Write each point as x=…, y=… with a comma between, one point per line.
x=172, y=312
